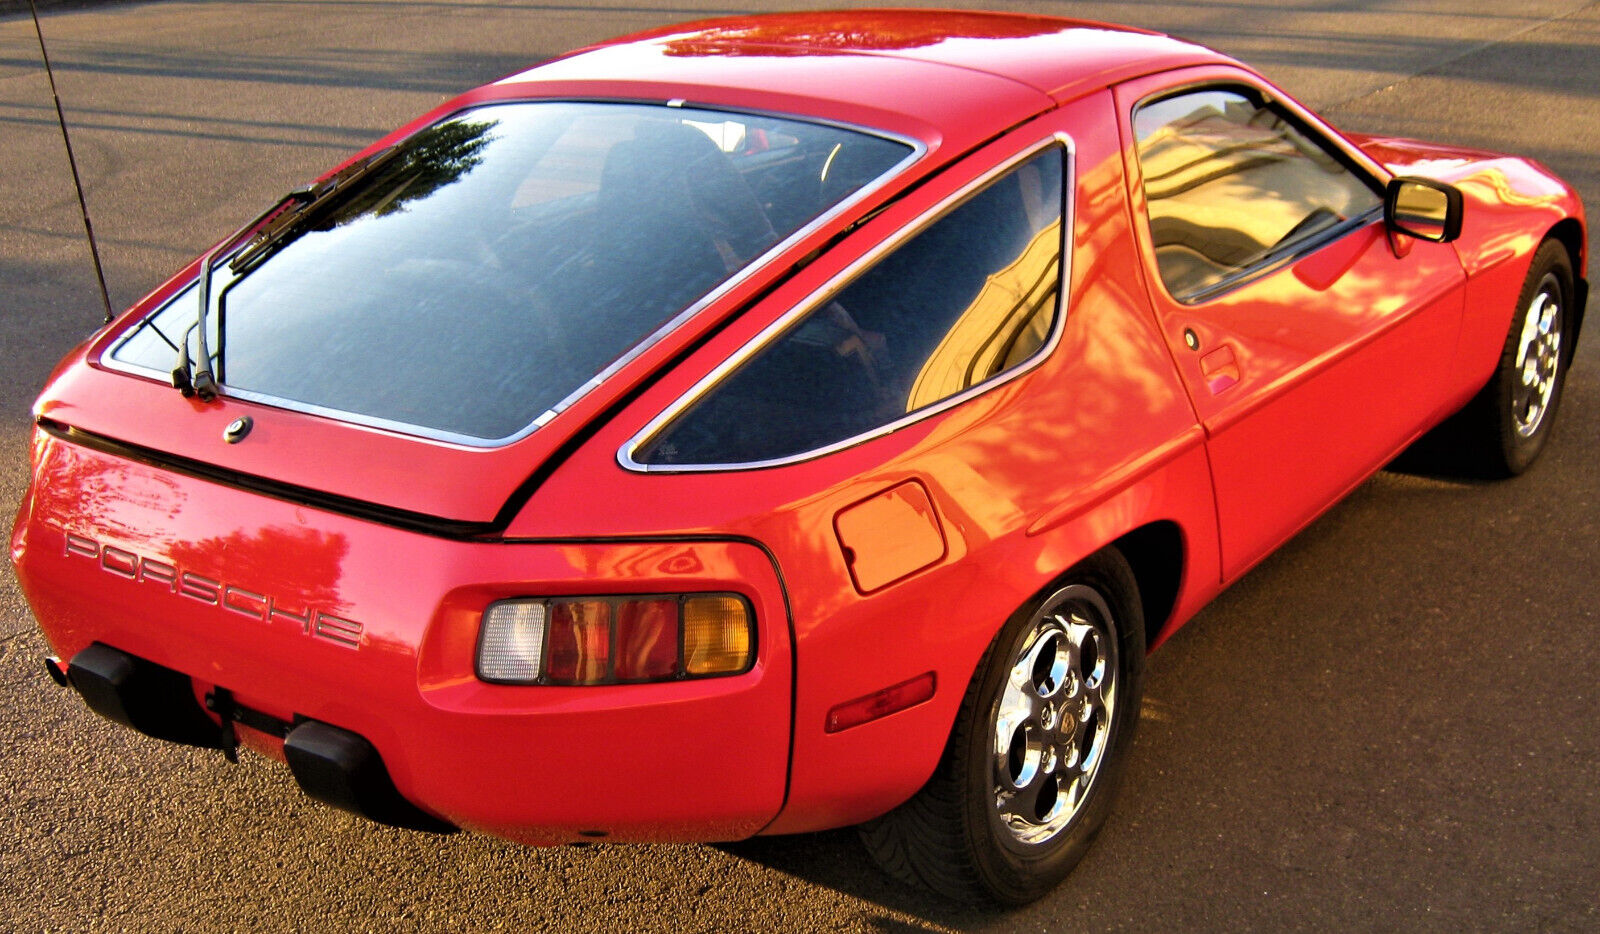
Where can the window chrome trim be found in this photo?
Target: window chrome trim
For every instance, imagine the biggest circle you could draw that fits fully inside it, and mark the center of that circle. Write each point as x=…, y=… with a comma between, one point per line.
x=1267, y=96
x=843, y=279
x=919, y=149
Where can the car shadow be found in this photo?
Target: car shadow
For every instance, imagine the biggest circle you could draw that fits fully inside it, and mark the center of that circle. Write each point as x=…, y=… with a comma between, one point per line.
x=1451, y=451
x=836, y=860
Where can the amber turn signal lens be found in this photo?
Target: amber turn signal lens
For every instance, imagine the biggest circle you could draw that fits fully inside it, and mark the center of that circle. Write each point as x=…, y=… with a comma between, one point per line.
x=716, y=635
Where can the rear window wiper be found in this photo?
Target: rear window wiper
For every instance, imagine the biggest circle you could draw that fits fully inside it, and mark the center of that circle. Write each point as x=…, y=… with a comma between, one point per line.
x=304, y=206
x=187, y=377
x=271, y=229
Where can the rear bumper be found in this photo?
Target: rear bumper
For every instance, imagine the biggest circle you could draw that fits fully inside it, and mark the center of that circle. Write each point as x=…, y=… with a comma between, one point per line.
x=311, y=616
x=332, y=765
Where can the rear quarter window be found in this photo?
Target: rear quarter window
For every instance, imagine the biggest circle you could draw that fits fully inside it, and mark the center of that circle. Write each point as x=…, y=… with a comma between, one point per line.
x=970, y=297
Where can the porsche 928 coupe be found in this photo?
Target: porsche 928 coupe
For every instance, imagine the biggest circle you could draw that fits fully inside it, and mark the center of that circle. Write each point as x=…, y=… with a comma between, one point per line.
x=773, y=424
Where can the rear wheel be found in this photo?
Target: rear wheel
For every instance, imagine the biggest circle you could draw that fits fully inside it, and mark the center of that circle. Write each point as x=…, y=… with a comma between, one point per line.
x=1032, y=765
x=1513, y=414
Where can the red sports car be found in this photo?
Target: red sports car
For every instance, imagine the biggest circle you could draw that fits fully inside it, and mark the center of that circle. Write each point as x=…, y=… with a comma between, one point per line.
x=773, y=424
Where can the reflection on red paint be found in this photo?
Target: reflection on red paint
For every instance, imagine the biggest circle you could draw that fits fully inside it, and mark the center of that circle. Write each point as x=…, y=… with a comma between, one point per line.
x=874, y=30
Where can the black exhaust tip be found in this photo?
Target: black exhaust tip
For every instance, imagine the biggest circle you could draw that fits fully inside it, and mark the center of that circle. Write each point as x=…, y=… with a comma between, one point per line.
x=53, y=667
x=343, y=769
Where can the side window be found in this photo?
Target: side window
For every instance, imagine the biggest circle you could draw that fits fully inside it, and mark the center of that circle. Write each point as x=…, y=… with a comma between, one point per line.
x=968, y=297
x=1230, y=182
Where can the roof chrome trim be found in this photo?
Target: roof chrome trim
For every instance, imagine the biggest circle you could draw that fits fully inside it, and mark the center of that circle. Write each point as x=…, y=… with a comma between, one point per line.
x=843, y=278
x=919, y=149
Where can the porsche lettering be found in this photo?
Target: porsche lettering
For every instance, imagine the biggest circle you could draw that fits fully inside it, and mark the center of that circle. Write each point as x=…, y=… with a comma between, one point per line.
x=233, y=598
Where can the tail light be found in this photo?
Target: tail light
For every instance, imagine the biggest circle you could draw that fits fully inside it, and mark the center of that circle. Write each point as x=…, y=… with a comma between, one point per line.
x=615, y=640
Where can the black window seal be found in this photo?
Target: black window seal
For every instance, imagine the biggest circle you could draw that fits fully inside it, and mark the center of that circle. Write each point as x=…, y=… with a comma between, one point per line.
x=406, y=519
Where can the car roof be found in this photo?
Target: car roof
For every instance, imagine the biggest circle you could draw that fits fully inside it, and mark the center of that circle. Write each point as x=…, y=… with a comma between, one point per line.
x=926, y=74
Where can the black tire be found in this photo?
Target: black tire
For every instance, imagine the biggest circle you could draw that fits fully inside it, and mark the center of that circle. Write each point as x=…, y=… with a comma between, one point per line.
x=970, y=833
x=1511, y=417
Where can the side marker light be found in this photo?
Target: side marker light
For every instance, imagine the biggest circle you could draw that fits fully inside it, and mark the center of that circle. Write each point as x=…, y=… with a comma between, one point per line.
x=882, y=703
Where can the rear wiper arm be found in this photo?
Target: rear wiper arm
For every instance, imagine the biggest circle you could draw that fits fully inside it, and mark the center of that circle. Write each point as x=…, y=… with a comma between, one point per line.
x=272, y=228
x=194, y=379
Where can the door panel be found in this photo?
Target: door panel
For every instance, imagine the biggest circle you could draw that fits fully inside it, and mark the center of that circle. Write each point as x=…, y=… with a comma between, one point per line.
x=1309, y=364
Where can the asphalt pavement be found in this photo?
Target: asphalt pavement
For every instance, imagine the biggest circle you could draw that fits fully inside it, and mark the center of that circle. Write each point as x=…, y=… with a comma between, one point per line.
x=1390, y=724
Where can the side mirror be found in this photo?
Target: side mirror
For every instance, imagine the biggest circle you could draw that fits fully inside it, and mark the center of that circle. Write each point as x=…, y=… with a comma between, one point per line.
x=1423, y=208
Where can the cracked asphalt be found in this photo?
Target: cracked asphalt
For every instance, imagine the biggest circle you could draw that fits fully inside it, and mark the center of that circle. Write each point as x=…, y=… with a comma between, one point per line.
x=1390, y=724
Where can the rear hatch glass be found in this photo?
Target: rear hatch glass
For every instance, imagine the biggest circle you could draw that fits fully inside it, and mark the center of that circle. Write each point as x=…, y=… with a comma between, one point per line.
x=503, y=261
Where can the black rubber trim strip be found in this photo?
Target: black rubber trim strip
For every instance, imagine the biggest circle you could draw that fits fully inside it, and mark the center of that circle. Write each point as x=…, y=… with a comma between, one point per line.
x=1277, y=261
x=360, y=509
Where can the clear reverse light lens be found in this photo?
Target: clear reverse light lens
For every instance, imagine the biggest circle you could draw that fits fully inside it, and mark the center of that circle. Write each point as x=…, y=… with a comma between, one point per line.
x=511, y=647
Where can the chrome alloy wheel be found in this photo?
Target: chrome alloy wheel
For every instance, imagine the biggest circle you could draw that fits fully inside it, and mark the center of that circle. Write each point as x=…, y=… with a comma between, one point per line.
x=1538, y=357
x=1053, y=721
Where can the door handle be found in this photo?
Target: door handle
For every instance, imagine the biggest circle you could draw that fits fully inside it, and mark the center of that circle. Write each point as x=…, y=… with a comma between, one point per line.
x=1220, y=368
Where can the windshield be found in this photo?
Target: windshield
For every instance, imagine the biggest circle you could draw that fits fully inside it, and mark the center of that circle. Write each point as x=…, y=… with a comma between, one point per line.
x=504, y=258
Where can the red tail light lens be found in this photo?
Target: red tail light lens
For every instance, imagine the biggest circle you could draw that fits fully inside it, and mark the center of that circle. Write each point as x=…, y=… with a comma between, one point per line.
x=611, y=640
x=579, y=642
x=647, y=640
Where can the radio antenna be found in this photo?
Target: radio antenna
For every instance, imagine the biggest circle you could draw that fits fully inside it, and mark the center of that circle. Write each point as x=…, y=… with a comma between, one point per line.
x=77, y=183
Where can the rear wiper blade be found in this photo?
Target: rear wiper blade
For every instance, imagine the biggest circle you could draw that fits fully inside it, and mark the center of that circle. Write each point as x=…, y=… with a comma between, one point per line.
x=311, y=204
x=273, y=227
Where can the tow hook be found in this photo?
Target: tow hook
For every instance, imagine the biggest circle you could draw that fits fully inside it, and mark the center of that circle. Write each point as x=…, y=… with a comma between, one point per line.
x=220, y=702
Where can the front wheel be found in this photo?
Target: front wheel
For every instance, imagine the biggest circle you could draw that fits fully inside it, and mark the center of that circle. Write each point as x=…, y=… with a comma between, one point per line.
x=1513, y=414
x=1032, y=765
